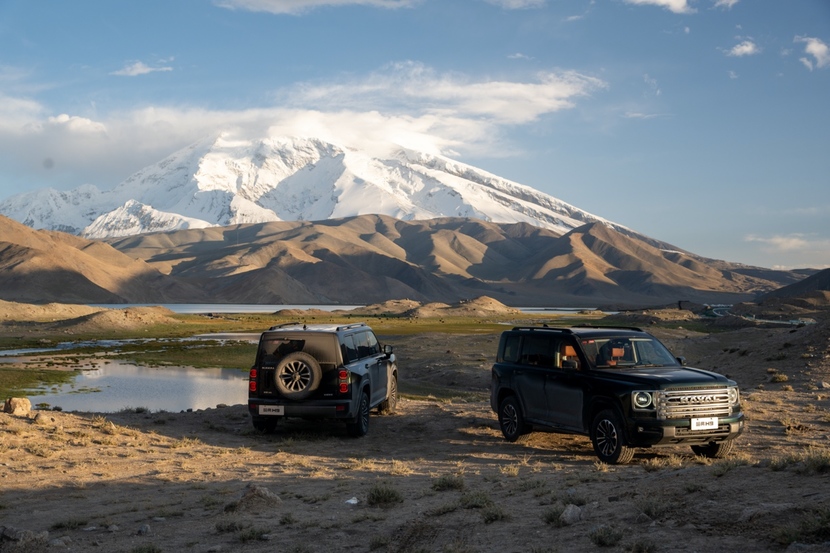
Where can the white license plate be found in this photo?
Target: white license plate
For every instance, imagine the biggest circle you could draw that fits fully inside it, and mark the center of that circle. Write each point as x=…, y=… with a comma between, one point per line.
x=271, y=410
x=709, y=423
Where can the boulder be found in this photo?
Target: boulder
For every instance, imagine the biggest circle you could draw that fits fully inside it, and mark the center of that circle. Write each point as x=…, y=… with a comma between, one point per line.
x=18, y=406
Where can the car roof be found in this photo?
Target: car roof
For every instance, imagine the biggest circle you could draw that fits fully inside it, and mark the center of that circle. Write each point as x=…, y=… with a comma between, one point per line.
x=584, y=331
x=317, y=327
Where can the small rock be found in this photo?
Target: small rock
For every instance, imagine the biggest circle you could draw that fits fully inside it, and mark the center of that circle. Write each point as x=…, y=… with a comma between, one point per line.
x=571, y=515
x=144, y=530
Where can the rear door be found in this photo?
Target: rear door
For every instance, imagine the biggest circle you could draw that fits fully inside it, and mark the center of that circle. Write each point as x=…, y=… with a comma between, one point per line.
x=530, y=374
x=564, y=387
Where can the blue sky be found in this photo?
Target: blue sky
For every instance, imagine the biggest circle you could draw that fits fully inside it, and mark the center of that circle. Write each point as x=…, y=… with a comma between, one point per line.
x=703, y=123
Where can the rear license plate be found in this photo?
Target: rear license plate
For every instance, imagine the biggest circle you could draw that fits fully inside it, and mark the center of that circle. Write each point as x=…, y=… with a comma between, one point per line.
x=709, y=423
x=271, y=410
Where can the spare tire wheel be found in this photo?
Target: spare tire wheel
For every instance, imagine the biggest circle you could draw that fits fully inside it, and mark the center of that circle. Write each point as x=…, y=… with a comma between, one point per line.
x=297, y=375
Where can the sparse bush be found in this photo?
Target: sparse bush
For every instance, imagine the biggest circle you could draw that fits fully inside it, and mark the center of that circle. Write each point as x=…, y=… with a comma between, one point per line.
x=641, y=545
x=493, y=513
x=383, y=495
x=553, y=515
x=813, y=528
x=378, y=542
x=228, y=526
x=779, y=377
x=254, y=534
x=476, y=500
x=448, y=482
x=71, y=524
x=443, y=509
x=605, y=535
x=149, y=548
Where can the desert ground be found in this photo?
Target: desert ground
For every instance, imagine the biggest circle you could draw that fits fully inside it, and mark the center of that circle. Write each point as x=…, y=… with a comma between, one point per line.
x=436, y=476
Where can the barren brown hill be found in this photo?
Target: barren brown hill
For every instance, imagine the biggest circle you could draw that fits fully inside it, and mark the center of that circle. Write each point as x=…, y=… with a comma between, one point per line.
x=371, y=259
x=43, y=266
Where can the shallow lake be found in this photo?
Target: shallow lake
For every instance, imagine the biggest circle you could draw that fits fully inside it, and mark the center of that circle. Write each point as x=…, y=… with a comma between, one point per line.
x=114, y=386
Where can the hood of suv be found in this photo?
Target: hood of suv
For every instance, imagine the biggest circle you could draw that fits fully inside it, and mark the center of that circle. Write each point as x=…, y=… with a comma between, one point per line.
x=664, y=377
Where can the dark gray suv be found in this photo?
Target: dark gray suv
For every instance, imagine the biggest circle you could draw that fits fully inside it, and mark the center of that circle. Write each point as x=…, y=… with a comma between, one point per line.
x=321, y=371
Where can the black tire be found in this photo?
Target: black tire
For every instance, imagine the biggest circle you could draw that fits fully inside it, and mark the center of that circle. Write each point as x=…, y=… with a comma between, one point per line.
x=512, y=421
x=608, y=437
x=297, y=375
x=714, y=450
x=360, y=426
x=388, y=406
x=266, y=425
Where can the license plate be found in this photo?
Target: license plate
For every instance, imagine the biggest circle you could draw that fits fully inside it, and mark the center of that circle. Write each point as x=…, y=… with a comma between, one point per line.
x=271, y=410
x=709, y=423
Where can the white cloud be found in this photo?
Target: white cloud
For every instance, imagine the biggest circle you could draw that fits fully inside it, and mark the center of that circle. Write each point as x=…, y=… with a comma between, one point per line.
x=518, y=56
x=675, y=6
x=75, y=124
x=817, y=49
x=296, y=7
x=791, y=243
x=726, y=4
x=408, y=104
x=517, y=4
x=744, y=48
x=138, y=68
x=652, y=85
x=733, y=75
x=414, y=88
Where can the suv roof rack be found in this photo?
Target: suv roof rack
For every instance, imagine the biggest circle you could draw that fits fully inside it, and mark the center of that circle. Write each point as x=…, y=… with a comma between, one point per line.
x=275, y=327
x=614, y=327
x=350, y=326
x=545, y=328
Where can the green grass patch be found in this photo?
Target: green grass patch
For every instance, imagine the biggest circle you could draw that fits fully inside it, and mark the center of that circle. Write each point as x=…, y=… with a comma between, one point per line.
x=23, y=382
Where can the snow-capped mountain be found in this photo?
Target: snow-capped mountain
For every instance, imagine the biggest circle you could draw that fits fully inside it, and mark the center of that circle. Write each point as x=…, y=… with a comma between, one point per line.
x=222, y=181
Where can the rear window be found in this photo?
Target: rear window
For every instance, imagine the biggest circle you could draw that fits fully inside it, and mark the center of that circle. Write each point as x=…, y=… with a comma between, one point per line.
x=322, y=347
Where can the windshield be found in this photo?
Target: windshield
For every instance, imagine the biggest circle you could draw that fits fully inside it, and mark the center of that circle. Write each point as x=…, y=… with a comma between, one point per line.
x=628, y=351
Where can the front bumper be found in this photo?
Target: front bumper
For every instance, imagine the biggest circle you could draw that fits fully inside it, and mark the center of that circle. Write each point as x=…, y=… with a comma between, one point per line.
x=645, y=433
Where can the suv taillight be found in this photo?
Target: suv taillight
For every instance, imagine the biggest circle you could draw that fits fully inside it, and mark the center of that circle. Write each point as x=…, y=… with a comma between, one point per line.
x=252, y=380
x=343, y=381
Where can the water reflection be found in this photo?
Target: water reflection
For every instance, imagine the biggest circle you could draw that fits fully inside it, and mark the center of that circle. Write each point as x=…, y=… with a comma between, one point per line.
x=114, y=386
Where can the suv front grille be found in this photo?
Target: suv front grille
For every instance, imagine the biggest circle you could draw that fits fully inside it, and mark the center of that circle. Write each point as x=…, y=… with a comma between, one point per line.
x=681, y=404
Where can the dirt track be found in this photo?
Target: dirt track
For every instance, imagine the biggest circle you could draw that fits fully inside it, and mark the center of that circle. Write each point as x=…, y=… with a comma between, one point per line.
x=436, y=476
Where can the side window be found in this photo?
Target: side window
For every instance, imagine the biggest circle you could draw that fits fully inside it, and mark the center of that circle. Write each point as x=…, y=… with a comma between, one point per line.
x=367, y=344
x=536, y=351
x=510, y=353
x=374, y=346
x=349, y=349
x=567, y=358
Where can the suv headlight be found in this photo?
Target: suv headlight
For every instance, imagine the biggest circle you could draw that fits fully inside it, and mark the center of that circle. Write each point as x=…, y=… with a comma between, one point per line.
x=734, y=395
x=642, y=400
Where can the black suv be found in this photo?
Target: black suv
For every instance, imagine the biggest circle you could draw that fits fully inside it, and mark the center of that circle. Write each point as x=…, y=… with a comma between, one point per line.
x=620, y=386
x=321, y=371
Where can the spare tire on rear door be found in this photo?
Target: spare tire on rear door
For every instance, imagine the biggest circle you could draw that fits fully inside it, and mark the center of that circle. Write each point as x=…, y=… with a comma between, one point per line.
x=297, y=375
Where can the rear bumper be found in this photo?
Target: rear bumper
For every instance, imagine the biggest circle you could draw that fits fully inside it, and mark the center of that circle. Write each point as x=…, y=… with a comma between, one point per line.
x=335, y=409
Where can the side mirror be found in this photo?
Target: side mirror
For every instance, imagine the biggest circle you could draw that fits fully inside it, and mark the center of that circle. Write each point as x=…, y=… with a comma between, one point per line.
x=681, y=360
x=570, y=364
x=387, y=349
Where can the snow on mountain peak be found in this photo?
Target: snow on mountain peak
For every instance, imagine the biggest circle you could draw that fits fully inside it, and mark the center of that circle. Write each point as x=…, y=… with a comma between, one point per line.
x=223, y=180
